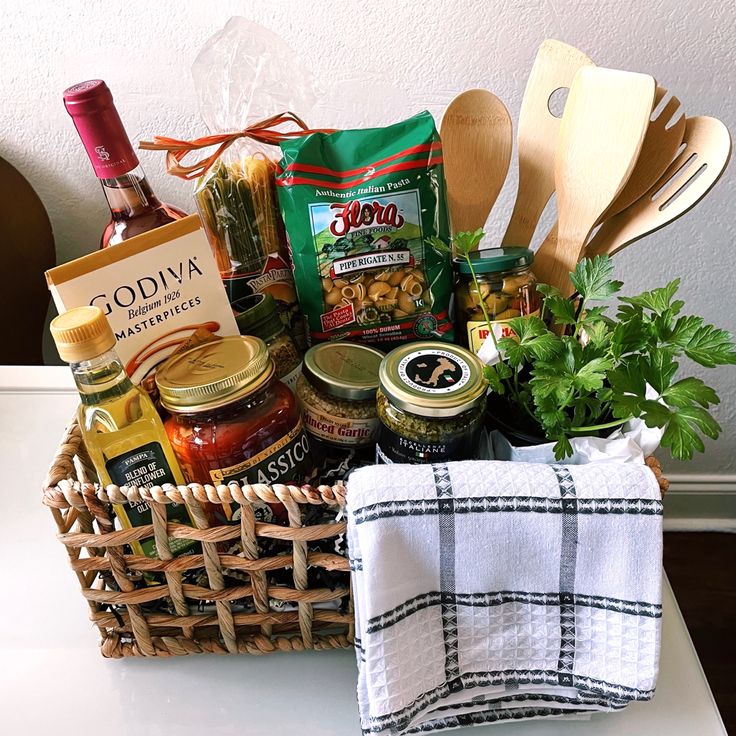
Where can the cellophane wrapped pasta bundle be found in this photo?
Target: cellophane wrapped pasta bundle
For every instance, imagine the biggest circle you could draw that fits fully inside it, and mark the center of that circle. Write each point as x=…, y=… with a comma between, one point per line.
x=243, y=74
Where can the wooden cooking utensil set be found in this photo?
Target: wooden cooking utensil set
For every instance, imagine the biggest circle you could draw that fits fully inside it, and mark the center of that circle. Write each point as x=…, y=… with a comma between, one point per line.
x=622, y=158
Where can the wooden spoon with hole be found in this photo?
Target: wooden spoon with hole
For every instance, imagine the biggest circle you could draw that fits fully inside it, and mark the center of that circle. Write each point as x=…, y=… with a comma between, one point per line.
x=603, y=127
x=554, y=68
x=685, y=182
x=476, y=148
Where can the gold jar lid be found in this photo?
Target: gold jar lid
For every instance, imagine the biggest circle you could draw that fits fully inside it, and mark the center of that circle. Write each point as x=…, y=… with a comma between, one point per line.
x=214, y=374
x=345, y=370
x=432, y=379
x=82, y=333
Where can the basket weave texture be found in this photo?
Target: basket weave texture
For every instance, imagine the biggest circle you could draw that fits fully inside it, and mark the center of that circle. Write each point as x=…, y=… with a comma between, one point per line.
x=121, y=609
x=127, y=625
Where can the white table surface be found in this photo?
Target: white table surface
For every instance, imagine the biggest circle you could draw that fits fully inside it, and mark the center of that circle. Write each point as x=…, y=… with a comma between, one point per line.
x=54, y=681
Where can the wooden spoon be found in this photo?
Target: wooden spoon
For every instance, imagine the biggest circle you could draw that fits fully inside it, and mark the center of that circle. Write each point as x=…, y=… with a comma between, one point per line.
x=476, y=148
x=554, y=68
x=700, y=164
x=603, y=128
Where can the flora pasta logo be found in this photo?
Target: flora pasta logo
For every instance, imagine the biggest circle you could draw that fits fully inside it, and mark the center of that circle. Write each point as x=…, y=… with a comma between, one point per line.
x=353, y=215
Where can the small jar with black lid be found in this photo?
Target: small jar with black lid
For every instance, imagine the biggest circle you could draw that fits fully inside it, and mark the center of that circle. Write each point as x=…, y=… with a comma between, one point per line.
x=337, y=394
x=257, y=315
x=430, y=401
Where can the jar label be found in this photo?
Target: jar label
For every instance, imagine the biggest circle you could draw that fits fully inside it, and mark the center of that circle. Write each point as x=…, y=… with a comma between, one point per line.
x=434, y=371
x=392, y=447
x=339, y=430
x=285, y=461
x=292, y=377
x=478, y=331
x=146, y=466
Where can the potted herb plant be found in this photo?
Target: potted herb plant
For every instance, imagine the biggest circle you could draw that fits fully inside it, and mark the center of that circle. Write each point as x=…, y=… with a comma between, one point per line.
x=591, y=371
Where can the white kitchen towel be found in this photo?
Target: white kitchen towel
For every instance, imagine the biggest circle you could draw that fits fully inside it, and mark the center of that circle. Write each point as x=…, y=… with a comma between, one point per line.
x=486, y=591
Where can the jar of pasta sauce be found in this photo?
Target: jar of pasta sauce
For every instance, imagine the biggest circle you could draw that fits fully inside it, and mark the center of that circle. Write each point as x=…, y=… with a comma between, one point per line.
x=430, y=402
x=231, y=419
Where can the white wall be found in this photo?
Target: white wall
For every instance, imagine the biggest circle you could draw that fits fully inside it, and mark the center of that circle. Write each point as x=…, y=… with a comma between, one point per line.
x=376, y=60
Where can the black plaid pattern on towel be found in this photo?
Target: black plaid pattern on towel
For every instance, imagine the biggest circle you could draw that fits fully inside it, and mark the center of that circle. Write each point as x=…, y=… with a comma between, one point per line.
x=492, y=591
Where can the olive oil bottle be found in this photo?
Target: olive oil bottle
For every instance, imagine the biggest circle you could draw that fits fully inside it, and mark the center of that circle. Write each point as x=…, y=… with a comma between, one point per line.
x=122, y=430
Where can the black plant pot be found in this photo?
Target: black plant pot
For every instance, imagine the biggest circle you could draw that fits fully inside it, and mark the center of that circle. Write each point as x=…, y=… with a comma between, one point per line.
x=518, y=429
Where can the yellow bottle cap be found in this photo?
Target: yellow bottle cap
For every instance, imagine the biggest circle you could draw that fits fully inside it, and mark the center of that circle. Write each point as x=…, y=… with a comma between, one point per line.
x=82, y=333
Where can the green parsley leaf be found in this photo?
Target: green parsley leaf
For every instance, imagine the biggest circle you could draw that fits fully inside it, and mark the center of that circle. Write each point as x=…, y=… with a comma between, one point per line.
x=467, y=242
x=591, y=375
x=592, y=278
x=689, y=391
x=705, y=344
x=562, y=309
x=657, y=300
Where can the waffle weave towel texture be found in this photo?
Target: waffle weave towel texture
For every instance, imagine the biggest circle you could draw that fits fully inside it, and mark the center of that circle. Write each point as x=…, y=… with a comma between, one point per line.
x=490, y=591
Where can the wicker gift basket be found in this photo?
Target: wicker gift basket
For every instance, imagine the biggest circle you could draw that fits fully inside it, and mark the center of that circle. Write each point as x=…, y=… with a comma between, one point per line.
x=132, y=618
x=126, y=612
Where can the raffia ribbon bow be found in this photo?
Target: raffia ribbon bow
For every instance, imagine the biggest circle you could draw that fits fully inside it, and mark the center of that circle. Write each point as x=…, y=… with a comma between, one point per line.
x=265, y=131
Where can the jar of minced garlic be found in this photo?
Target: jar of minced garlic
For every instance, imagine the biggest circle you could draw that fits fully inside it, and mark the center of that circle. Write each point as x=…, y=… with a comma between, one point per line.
x=506, y=288
x=337, y=394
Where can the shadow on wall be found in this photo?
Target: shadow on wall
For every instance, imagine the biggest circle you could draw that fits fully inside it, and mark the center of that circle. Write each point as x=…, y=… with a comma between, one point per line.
x=28, y=250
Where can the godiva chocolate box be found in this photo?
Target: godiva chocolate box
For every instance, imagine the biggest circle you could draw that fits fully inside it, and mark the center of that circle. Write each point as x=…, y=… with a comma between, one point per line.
x=156, y=289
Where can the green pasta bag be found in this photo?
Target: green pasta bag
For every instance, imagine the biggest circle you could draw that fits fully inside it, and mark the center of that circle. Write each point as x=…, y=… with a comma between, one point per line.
x=358, y=206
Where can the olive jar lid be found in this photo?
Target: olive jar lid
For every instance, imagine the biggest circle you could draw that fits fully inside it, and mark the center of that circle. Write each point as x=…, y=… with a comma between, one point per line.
x=345, y=370
x=214, y=373
x=495, y=260
x=432, y=379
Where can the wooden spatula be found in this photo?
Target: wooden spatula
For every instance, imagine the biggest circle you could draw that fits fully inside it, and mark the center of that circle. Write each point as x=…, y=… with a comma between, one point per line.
x=476, y=148
x=685, y=182
x=554, y=68
x=657, y=151
x=603, y=128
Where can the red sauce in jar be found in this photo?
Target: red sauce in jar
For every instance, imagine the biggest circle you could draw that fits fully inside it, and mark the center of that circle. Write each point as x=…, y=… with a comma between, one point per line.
x=231, y=419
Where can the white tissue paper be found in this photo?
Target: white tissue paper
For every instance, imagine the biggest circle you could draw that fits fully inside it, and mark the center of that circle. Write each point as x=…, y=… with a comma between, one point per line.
x=630, y=443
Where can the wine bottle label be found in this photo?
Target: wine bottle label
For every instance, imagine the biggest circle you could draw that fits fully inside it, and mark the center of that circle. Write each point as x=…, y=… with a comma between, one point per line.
x=147, y=466
x=392, y=447
x=285, y=461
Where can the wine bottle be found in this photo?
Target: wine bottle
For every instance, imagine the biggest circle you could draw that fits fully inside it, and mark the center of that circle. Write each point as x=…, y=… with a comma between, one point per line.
x=134, y=207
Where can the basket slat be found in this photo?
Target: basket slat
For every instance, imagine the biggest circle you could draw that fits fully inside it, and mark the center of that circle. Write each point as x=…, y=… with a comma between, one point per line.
x=136, y=618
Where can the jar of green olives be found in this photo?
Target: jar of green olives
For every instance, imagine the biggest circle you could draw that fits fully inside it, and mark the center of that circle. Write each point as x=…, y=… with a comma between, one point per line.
x=505, y=288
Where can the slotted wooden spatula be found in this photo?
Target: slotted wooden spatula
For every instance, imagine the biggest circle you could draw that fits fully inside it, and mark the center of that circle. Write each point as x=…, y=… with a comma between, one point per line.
x=476, y=148
x=685, y=182
x=603, y=127
x=663, y=138
x=554, y=68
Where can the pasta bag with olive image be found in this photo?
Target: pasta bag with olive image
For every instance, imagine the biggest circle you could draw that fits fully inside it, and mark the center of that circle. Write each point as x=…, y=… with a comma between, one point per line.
x=122, y=431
